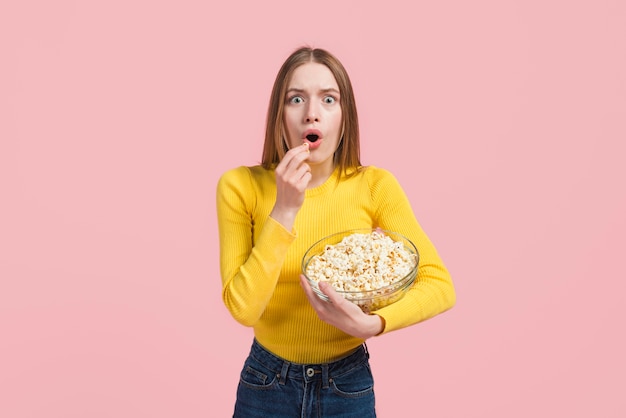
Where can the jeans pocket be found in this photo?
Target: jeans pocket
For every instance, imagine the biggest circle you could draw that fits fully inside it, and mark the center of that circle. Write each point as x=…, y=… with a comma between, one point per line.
x=355, y=383
x=255, y=376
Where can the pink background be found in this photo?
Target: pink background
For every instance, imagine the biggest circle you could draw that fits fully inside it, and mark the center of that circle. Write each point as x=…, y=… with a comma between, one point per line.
x=504, y=120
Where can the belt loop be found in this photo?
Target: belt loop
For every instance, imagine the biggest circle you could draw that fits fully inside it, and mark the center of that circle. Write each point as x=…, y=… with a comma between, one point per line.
x=325, y=380
x=367, y=353
x=283, y=372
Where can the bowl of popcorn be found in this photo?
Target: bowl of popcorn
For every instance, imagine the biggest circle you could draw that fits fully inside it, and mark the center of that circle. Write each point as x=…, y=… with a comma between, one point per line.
x=372, y=268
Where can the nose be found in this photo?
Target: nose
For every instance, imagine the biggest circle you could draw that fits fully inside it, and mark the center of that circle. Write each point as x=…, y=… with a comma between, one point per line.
x=312, y=113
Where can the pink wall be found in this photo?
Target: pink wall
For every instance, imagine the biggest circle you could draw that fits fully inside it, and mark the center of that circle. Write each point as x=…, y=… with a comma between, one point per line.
x=504, y=120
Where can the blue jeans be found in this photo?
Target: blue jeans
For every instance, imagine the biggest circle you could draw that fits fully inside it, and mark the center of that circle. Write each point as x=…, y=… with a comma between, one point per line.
x=271, y=387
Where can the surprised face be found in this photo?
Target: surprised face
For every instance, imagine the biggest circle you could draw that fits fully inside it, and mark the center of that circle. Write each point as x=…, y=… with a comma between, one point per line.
x=312, y=112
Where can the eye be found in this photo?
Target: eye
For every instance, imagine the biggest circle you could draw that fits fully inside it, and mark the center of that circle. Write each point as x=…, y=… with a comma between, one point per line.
x=296, y=100
x=329, y=100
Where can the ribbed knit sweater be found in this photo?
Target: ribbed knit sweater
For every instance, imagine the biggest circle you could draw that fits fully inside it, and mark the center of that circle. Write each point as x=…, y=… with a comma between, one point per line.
x=260, y=260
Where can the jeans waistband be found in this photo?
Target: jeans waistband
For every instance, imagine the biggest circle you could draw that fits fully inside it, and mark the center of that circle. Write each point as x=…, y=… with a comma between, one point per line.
x=308, y=372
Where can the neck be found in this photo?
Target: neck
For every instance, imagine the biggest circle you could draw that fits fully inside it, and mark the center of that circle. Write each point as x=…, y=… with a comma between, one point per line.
x=319, y=174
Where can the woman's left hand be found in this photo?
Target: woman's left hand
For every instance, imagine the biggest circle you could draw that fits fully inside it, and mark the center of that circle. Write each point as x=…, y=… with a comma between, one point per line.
x=341, y=313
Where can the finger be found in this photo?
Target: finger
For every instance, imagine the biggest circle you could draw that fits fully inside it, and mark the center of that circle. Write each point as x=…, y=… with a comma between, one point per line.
x=304, y=147
x=304, y=282
x=314, y=299
x=300, y=149
x=304, y=170
x=297, y=158
x=338, y=302
x=331, y=293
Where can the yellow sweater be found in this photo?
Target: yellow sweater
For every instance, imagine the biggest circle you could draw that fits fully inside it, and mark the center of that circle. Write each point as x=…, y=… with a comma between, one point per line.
x=260, y=261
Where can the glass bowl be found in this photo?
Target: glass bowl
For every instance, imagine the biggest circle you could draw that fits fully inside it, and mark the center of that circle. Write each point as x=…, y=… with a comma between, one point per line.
x=356, y=271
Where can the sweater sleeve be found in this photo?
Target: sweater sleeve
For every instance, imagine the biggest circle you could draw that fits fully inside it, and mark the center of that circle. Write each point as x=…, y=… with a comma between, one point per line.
x=433, y=291
x=249, y=266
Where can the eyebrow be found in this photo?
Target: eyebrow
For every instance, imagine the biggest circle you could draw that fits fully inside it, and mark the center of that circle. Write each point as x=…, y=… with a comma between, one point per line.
x=328, y=90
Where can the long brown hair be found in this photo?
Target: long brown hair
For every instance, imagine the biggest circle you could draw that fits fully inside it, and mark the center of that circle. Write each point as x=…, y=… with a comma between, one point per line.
x=347, y=155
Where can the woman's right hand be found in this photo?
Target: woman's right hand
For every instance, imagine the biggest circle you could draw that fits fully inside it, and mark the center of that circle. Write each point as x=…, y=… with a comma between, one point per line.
x=293, y=175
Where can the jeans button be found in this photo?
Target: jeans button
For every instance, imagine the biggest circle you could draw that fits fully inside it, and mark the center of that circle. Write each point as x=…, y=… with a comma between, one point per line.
x=310, y=372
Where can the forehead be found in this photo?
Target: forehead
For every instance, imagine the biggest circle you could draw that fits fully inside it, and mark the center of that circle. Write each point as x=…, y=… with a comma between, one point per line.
x=312, y=75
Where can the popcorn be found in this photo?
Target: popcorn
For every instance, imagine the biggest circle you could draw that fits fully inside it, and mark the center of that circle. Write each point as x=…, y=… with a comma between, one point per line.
x=363, y=262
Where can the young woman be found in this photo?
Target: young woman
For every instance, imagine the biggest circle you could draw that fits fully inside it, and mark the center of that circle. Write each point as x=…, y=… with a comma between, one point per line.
x=308, y=356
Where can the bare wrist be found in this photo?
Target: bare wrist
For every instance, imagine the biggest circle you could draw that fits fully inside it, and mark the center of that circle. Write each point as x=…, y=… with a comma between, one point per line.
x=285, y=218
x=376, y=325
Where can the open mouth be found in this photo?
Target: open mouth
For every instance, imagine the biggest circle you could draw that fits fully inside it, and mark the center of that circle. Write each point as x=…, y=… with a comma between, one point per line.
x=312, y=137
